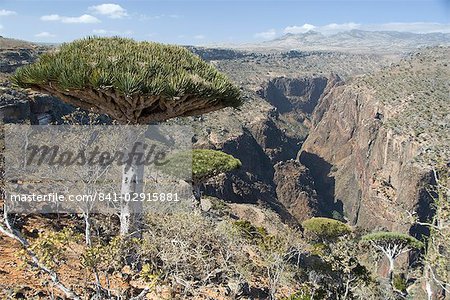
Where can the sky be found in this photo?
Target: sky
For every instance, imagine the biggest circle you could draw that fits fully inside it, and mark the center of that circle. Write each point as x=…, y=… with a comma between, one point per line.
x=198, y=22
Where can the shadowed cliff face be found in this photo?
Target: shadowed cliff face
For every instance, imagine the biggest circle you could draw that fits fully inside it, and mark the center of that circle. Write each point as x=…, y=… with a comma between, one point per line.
x=360, y=164
x=380, y=134
x=24, y=106
x=294, y=94
x=296, y=190
x=267, y=146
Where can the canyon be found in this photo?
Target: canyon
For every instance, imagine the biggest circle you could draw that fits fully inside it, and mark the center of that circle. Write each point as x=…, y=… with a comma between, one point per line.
x=313, y=141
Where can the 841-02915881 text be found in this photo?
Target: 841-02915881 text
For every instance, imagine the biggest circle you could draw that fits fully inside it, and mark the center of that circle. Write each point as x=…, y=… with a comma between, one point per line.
x=136, y=197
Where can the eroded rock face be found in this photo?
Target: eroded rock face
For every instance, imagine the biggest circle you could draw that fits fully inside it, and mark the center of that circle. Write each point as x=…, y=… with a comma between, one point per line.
x=32, y=108
x=269, y=175
x=19, y=106
x=295, y=189
x=11, y=59
x=361, y=165
x=299, y=94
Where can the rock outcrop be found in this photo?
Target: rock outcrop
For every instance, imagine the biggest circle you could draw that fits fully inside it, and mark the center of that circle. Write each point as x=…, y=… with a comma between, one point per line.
x=31, y=108
x=294, y=94
x=295, y=189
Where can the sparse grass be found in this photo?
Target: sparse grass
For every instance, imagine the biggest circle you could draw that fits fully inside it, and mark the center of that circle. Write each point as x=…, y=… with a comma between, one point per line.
x=416, y=92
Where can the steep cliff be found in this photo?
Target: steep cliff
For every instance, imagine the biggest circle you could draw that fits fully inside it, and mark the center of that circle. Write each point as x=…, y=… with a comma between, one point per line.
x=266, y=143
x=19, y=106
x=373, y=141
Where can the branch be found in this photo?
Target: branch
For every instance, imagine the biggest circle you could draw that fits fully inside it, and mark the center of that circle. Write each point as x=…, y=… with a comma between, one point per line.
x=14, y=234
x=141, y=294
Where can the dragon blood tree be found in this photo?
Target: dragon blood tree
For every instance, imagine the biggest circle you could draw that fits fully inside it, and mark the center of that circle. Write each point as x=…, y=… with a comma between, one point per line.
x=206, y=164
x=325, y=229
x=132, y=82
x=392, y=244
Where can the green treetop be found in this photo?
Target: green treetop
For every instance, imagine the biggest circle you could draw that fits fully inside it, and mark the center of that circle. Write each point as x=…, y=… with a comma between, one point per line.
x=133, y=82
x=201, y=164
x=392, y=244
x=209, y=163
x=402, y=241
x=325, y=228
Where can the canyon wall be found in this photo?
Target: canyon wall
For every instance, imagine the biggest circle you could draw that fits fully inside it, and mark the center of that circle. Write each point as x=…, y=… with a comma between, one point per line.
x=364, y=169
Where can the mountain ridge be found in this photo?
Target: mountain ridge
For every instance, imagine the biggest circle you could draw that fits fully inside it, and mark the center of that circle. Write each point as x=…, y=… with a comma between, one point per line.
x=354, y=40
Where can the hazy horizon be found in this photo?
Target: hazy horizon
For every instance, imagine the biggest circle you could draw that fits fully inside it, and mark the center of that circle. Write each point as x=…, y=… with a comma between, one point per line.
x=214, y=22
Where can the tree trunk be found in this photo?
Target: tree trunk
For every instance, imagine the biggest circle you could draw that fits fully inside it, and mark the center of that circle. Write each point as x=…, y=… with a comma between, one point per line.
x=87, y=229
x=391, y=270
x=347, y=289
x=132, y=186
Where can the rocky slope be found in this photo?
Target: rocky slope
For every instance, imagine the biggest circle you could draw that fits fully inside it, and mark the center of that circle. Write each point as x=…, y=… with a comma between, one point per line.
x=266, y=142
x=24, y=106
x=373, y=141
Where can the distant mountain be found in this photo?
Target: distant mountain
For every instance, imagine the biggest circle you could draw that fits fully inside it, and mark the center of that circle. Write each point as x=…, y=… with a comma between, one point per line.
x=353, y=41
x=8, y=43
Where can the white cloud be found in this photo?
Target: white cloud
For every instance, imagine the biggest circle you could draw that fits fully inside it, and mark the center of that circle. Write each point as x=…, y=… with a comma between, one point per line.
x=269, y=34
x=157, y=17
x=199, y=37
x=1, y=26
x=83, y=19
x=44, y=34
x=100, y=31
x=299, y=29
x=4, y=13
x=334, y=28
x=114, y=11
x=111, y=32
x=51, y=18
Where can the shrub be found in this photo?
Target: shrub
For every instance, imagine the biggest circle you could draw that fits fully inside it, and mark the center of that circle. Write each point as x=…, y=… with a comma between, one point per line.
x=325, y=228
x=399, y=282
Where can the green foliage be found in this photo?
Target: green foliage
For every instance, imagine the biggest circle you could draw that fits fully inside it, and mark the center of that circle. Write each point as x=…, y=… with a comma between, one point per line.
x=319, y=249
x=104, y=256
x=205, y=164
x=149, y=276
x=304, y=293
x=259, y=236
x=50, y=247
x=129, y=67
x=325, y=228
x=399, y=282
x=249, y=231
x=393, y=238
x=209, y=163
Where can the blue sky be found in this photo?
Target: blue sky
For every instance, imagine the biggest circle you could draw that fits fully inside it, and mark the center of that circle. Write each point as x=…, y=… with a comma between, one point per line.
x=209, y=22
